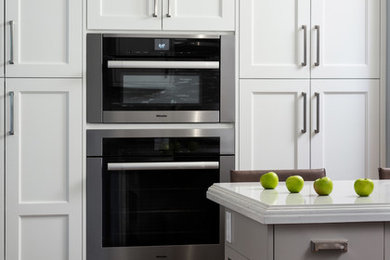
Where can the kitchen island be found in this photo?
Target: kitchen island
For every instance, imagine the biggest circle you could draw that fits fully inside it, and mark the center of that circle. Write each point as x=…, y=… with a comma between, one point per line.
x=277, y=225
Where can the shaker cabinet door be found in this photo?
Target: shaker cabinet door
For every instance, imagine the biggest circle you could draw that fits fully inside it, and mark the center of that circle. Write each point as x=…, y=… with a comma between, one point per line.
x=345, y=38
x=274, y=124
x=274, y=39
x=43, y=169
x=345, y=128
x=124, y=14
x=201, y=15
x=43, y=38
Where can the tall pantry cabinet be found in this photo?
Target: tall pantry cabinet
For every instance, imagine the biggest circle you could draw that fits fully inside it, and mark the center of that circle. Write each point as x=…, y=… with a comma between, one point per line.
x=309, y=86
x=43, y=146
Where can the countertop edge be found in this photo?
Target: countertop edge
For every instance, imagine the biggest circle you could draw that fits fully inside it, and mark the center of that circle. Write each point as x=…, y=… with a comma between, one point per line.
x=297, y=214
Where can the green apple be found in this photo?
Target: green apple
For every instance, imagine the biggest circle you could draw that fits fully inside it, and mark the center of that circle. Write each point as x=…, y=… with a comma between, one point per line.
x=294, y=183
x=269, y=180
x=363, y=187
x=323, y=186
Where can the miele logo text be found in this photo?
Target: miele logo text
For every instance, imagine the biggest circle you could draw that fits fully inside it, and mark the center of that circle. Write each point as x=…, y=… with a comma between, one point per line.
x=161, y=116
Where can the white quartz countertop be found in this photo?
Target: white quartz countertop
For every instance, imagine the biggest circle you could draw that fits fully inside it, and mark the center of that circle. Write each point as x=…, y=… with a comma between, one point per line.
x=279, y=206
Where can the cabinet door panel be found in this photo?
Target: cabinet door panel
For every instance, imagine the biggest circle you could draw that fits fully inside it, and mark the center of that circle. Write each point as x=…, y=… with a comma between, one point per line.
x=349, y=38
x=44, y=43
x=347, y=144
x=200, y=15
x=272, y=38
x=271, y=124
x=43, y=184
x=124, y=14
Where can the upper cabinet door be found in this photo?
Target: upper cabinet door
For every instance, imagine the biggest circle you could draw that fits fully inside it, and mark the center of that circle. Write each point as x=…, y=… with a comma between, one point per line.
x=272, y=39
x=124, y=14
x=201, y=15
x=349, y=38
x=43, y=38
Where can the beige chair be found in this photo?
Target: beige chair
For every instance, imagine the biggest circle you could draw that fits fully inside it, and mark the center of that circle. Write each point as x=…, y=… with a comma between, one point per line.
x=254, y=176
x=384, y=173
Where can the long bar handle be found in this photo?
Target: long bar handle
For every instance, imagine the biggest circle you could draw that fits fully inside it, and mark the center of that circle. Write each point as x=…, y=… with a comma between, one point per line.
x=11, y=46
x=117, y=64
x=329, y=245
x=304, y=95
x=162, y=166
x=169, y=15
x=155, y=13
x=11, y=113
x=304, y=63
x=317, y=95
x=317, y=63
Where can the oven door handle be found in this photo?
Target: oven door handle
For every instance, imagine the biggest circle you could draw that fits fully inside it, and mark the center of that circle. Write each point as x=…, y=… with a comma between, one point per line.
x=118, y=64
x=162, y=166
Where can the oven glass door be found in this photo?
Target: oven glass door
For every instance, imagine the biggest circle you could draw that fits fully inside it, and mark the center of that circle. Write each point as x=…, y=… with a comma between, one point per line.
x=158, y=196
x=132, y=89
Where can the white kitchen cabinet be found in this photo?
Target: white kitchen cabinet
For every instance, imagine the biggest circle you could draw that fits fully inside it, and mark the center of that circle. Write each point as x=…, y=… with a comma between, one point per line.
x=343, y=39
x=272, y=39
x=189, y=15
x=43, y=38
x=43, y=169
x=273, y=132
x=2, y=208
x=342, y=133
x=346, y=142
x=199, y=15
x=349, y=43
x=124, y=14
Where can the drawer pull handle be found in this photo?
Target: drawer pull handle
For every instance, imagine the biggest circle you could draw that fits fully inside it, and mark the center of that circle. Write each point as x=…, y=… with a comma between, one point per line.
x=329, y=245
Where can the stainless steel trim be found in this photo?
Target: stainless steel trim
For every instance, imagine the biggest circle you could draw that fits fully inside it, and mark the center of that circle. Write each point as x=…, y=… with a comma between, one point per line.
x=116, y=64
x=208, y=116
x=11, y=113
x=304, y=130
x=132, y=166
x=155, y=13
x=317, y=63
x=94, y=78
x=95, y=137
x=317, y=130
x=329, y=245
x=11, y=37
x=167, y=36
x=304, y=63
x=228, y=80
x=169, y=9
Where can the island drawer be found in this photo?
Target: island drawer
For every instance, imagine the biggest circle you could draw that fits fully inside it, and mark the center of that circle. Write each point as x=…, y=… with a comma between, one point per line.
x=248, y=237
x=341, y=241
x=231, y=254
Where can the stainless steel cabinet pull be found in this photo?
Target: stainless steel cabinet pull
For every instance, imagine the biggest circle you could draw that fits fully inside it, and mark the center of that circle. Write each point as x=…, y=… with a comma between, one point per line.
x=329, y=245
x=317, y=130
x=11, y=113
x=117, y=64
x=155, y=8
x=317, y=63
x=304, y=130
x=162, y=166
x=169, y=9
x=11, y=46
x=304, y=63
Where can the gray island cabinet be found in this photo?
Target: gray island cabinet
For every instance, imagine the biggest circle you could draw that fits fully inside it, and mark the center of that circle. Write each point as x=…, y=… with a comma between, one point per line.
x=277, y=225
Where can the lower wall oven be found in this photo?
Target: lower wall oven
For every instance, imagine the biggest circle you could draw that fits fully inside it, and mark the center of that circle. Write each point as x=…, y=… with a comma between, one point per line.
x=146, y=193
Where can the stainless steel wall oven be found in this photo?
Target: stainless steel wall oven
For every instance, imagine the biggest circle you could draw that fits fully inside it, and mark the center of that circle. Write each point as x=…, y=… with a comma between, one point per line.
x=146, y=193
x=160, y=79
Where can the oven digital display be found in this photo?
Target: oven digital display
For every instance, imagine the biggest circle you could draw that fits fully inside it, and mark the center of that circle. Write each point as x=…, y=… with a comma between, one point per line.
x=161, y=44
